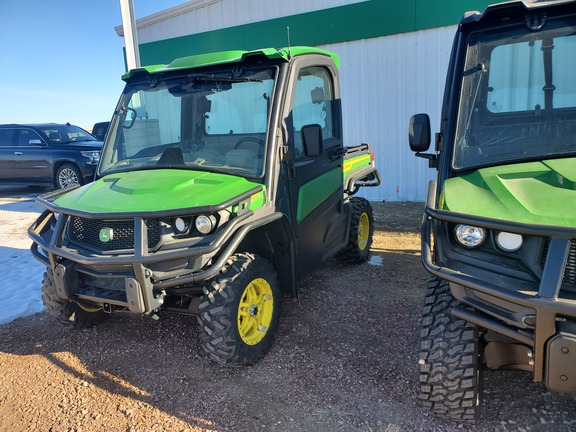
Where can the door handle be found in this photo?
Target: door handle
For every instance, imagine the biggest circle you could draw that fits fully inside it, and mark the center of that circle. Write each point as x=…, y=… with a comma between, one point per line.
x=18, y=153
x=337, y=153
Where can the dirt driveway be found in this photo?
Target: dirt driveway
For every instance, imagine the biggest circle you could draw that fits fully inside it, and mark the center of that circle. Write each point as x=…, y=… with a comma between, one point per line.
x=344, y=359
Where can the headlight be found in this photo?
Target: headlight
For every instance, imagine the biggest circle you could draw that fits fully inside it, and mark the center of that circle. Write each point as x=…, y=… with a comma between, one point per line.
x=469, y=236
x=509, y=242
x=92, y=155
x=181, y=225
x=205, y=224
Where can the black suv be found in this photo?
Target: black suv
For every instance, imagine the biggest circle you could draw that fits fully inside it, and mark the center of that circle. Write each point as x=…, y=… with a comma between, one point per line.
x=61, y=155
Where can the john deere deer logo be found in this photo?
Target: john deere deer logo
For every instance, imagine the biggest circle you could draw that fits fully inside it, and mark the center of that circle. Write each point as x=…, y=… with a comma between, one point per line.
x=106, y=234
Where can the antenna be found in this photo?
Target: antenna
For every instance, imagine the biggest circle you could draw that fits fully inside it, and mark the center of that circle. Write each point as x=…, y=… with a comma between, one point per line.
x=288, y=34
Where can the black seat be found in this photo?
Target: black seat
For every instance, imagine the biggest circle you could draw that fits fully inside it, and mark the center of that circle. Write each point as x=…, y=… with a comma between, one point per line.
x=172, y=156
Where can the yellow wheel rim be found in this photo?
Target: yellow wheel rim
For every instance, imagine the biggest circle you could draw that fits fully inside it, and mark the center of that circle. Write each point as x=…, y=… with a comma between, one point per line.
x=255, y=311
x=89, y=309
x=363, y=231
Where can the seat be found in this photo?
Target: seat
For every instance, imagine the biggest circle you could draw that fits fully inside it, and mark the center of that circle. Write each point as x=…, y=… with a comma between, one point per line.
x=55, y=137
x=241, y=158
x=172, y=156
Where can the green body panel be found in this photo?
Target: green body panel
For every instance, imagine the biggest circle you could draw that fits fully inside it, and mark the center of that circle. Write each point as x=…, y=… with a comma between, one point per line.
x=362, y=20
x=157, y=190
x=313, y=193
x=542, y=193
x=354, y=163
x=226, y=57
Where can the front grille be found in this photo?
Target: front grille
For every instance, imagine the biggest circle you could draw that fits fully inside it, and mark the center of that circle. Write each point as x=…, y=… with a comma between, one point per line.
x=86, y=232
x=570, y=270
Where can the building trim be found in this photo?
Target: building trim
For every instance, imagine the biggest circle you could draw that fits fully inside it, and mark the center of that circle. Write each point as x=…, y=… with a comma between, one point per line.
x=365, y=20
x=167, y=14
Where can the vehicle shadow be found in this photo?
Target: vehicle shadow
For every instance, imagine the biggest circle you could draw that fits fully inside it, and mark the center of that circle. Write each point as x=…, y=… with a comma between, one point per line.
x=150, y=369
x=20, y=192
x=325, y=372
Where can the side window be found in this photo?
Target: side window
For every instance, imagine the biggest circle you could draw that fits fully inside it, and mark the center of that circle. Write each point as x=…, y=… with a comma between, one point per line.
x=25, y=135
x=313, y=104
x=7, y=137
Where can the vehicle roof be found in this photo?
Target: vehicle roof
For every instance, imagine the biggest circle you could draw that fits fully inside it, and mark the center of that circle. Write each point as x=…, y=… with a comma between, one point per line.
x=236, y=56
x=35, y=125
x=527, y=5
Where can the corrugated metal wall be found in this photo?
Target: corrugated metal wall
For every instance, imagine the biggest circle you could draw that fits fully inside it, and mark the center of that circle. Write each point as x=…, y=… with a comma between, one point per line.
x=211, y=15
x=384, y=81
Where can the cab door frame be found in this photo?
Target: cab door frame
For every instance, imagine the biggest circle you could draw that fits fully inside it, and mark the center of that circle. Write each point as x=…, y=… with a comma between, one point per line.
x=319, y=218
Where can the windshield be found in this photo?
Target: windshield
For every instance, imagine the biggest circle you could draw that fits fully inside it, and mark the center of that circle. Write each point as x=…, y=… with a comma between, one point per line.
x=215, y=122
x=518, y=97
x=65, y=134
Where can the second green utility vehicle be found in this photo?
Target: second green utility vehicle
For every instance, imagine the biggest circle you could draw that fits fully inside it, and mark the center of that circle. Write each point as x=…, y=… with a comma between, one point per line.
x=222, y=182
x=499, y=233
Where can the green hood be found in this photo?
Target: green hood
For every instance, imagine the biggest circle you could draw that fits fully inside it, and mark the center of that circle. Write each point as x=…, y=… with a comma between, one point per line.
x=157, y=190
x=542, y=193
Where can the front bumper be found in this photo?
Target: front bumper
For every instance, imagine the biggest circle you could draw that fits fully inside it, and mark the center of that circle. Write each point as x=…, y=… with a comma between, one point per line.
x=136, y=279
x=538, y=315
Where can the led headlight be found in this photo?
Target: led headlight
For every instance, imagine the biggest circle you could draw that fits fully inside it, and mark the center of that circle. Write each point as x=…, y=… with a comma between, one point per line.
x=205, y=224
x=181, y=225
x=469, y=236
x=509, y=242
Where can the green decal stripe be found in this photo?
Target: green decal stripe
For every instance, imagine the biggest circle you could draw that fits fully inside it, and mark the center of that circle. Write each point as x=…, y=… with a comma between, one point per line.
x=313, y=193
x=364, y=20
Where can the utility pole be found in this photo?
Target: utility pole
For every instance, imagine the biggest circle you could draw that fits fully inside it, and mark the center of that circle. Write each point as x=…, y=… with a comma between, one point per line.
x=130, y=34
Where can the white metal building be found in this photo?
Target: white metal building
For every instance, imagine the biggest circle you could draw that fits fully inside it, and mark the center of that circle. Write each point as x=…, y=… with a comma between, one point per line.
x=394, y=56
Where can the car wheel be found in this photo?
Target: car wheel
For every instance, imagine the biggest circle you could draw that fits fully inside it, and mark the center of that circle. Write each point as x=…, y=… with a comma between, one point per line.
x=450, y=373
x=239, y=311
x=67, y=175
x=361, y=232
x=66, y=312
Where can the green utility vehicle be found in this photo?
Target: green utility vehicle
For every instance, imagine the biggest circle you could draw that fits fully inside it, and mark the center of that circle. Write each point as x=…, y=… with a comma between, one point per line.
x=222, y=182
x=499, y=232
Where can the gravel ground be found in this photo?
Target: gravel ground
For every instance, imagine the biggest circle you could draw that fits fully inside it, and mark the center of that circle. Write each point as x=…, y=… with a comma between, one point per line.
x=344, y=359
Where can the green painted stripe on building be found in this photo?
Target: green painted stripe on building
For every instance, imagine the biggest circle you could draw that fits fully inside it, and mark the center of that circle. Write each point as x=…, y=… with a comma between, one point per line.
x=364, y=20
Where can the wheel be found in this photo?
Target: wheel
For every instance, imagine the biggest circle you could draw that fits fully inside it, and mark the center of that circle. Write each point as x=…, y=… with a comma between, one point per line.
x=361, y=231
x=239, y=311
x=450, y=380
x=67, y=175
x=66, y=312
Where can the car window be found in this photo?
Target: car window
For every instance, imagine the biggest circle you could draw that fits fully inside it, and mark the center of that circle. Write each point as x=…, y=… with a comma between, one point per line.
x=313, y=104
x=7, y=137
x=25, y=135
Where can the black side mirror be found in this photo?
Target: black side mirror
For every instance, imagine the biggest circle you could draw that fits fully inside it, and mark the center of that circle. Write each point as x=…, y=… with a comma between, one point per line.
x=312, y=139
x=419, y=133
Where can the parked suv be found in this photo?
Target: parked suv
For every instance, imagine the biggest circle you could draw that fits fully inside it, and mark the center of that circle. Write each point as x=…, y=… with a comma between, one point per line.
x=61, y=155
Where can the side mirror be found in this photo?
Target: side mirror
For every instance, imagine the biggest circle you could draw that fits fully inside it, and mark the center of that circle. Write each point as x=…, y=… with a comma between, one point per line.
x=419, y=133
x=312, y=139
x=37, y=142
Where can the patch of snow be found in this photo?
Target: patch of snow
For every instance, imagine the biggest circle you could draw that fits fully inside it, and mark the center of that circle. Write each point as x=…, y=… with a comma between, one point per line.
x=20, y=290
x=375, y=260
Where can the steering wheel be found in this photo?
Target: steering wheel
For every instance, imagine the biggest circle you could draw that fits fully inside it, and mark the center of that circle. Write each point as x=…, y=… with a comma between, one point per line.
x=259, y=142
